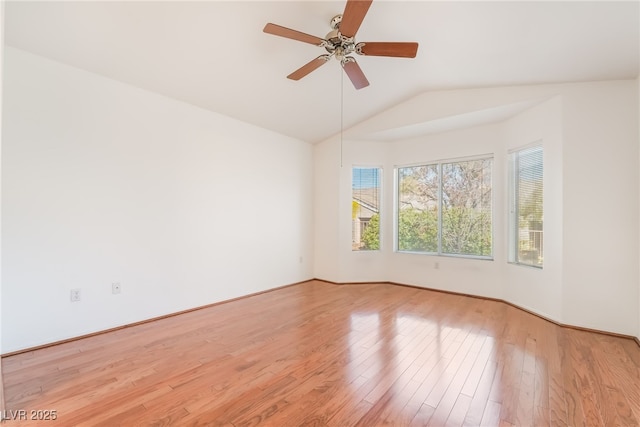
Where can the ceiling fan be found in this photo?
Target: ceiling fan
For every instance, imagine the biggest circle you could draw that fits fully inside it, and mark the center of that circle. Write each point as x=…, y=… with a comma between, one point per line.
x=340, y=43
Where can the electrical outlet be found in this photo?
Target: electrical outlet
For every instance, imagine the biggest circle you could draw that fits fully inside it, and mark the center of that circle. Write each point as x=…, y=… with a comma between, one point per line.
x=75, y=295
x=116, y=288
x=436, y=265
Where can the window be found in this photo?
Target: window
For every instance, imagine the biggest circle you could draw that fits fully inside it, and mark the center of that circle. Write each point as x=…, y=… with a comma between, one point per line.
x=526, y=210
x=365, y=209
x=445, y=208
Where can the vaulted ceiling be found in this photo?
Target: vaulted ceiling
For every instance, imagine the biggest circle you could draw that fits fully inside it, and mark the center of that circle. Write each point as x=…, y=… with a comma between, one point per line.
x=213, y=54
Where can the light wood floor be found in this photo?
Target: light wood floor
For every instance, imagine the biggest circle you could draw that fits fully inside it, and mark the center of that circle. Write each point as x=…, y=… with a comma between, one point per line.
x=317, y=354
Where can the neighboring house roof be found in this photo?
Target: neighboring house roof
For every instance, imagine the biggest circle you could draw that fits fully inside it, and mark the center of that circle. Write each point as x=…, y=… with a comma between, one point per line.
x=368, y=199
x=365, y=212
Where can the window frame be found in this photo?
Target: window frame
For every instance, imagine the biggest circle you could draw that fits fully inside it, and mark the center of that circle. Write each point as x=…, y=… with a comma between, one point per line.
x=439, y=163
x=380, y=203
x=513, y=231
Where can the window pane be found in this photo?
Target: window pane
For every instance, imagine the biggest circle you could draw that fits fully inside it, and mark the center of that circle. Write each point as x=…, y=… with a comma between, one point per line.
x=466, y=208
x=418, y=208
x=528, y=204
x=365, y=209
x=446, y=208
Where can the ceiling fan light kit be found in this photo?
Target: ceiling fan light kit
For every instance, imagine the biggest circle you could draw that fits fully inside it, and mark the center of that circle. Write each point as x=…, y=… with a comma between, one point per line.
x=340, y=43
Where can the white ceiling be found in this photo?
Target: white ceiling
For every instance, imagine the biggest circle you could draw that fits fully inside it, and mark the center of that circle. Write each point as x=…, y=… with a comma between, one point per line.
x=213, y=54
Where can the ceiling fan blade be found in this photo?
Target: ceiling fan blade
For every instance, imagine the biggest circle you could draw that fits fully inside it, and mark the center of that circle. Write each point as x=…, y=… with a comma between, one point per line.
x=354, y=13
x=355, y=73
x=309, y=67
x=395, y=49
x=278, y=30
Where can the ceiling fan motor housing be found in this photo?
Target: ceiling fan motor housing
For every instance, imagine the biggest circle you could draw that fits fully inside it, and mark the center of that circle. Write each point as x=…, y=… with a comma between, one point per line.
x=333, y=40
x=336, y=43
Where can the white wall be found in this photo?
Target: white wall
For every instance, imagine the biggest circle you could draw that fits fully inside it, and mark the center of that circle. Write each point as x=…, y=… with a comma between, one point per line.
x=540, y=290
x=600, y=230
x=327, y=164
x=2, y=405
x=104, y=182
x=590, y=138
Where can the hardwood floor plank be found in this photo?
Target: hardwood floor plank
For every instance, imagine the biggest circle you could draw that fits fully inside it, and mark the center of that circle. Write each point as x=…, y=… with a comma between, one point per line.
x=423, y=416
x=349, y=416
x=491, y=415
x=526, y=398
x=404, y=388
x=625, y=414
x=620, y=373
x=572, y=396
x=317, y=354
x=452, y=394
x=511, y=383
x=473, y=380
x=557, y=404
x=481, y=395
x=459, y=411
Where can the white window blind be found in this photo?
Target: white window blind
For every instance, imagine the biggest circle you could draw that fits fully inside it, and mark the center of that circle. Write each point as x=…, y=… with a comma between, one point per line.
x=527, y=213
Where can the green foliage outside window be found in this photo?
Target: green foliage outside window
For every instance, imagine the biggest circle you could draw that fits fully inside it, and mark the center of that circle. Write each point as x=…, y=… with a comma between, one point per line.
x=371, y=235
